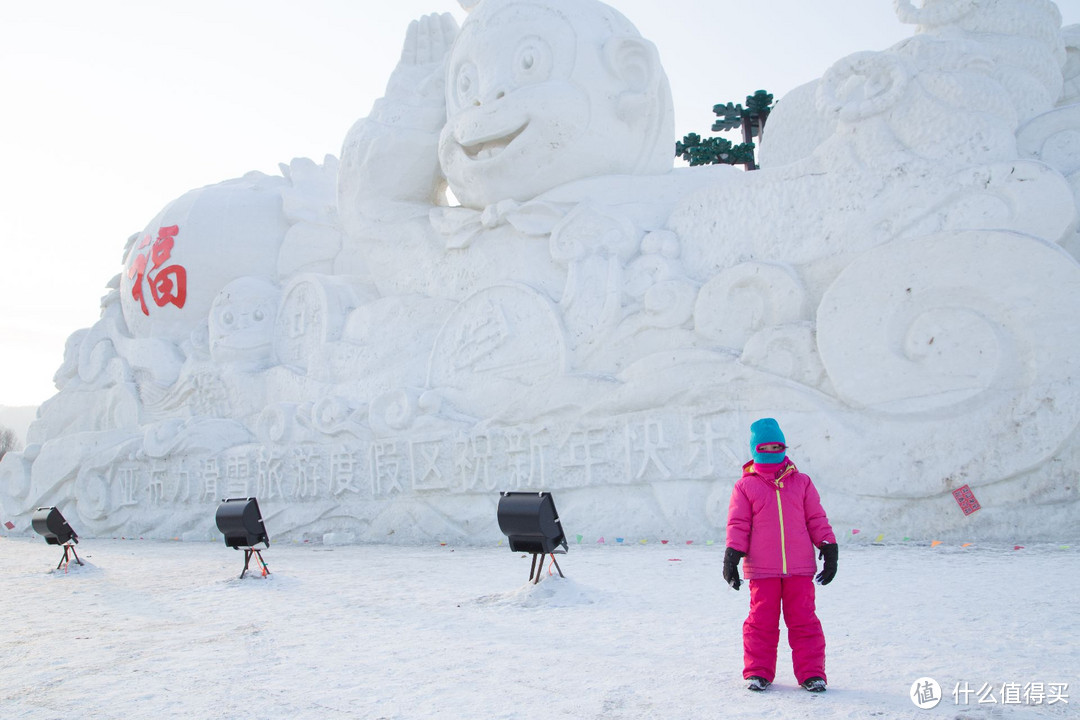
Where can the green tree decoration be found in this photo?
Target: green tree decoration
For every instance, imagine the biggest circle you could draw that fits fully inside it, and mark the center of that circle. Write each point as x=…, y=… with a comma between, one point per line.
x=716, y=150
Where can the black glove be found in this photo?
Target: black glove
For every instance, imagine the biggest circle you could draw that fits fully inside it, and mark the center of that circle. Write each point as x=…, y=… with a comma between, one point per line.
x=731, y=567
x=829, y=552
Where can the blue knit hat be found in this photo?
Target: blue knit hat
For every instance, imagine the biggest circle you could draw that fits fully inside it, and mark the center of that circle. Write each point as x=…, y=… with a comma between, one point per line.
x=766, y=430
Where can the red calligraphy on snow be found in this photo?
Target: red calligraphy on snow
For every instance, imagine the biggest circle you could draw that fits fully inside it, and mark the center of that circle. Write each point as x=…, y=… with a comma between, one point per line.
x=164, y=244
x=167, y=284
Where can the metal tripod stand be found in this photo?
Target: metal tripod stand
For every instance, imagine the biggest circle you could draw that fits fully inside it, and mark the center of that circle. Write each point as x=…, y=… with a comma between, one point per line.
x=534, y=570
x=68, y=547
x=248, y=553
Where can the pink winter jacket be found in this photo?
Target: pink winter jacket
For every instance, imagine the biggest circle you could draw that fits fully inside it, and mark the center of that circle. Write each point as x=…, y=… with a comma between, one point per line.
x=777, y=521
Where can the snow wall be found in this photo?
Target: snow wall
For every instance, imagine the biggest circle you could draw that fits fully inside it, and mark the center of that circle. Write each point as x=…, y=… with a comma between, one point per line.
x=375, y=358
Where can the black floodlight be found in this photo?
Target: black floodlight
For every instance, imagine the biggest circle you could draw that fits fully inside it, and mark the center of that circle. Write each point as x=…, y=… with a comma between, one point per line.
x=240, y=521
x=51, y=525
x=530, y=522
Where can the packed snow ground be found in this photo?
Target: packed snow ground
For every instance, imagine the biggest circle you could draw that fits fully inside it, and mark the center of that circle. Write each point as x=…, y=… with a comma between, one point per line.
x=169, y=630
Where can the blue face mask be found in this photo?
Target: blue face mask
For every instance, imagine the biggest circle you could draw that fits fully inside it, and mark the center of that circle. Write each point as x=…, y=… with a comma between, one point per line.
x=764, y=432
x=769, y=458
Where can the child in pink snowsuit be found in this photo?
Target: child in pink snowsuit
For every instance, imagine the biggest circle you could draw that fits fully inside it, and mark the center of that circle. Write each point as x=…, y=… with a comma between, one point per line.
x=775, y=521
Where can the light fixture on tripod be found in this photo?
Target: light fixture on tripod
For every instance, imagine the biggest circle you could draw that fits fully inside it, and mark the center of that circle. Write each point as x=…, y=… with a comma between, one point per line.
x=240, y=521
x=529, y=521
x=50, y=524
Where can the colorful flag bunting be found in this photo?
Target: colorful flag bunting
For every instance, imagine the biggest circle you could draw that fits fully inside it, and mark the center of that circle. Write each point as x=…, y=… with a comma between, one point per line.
x=644, y=541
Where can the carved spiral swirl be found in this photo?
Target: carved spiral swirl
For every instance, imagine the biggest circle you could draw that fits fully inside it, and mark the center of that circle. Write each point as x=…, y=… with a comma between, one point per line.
x=331, y=415
x=885, y=80
x=945, y=318
x=393, y=411
x=276, y=423
x=745, y=298
x=955, y=330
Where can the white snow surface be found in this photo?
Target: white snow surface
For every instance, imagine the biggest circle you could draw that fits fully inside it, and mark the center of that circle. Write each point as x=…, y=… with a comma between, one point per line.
x=158, y=629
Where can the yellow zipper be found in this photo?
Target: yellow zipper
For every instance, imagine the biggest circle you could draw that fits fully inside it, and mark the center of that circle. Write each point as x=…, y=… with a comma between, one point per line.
x=783, y=550
x=780, y=509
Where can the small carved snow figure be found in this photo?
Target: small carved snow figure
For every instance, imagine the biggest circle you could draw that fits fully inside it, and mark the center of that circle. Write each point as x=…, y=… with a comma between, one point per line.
x=242, y=322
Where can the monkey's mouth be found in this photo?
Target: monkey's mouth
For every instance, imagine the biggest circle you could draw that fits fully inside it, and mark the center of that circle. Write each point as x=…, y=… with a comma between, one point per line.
x=487, y=148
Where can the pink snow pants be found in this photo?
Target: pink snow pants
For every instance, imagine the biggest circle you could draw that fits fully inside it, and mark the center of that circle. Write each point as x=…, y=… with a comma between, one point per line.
x=761, y=631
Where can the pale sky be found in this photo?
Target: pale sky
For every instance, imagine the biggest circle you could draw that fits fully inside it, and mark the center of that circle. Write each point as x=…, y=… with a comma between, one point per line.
x=113, y=108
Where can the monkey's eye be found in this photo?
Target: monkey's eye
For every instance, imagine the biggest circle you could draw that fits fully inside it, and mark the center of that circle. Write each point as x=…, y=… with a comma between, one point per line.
x=466, y=85
x=533, y=60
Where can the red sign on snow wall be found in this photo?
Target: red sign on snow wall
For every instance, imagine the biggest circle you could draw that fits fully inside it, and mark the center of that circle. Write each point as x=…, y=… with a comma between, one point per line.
x=966, y=499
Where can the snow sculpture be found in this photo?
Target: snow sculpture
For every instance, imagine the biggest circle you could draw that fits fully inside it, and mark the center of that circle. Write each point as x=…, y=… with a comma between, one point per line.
x=505, y=285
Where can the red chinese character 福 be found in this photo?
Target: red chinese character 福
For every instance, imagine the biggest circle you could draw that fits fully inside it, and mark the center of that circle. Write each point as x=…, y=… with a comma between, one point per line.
x=167, y=284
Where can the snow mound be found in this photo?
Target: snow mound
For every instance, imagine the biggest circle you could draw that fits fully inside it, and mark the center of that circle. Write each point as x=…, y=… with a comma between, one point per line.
x=551, y=591
x=73, y=568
